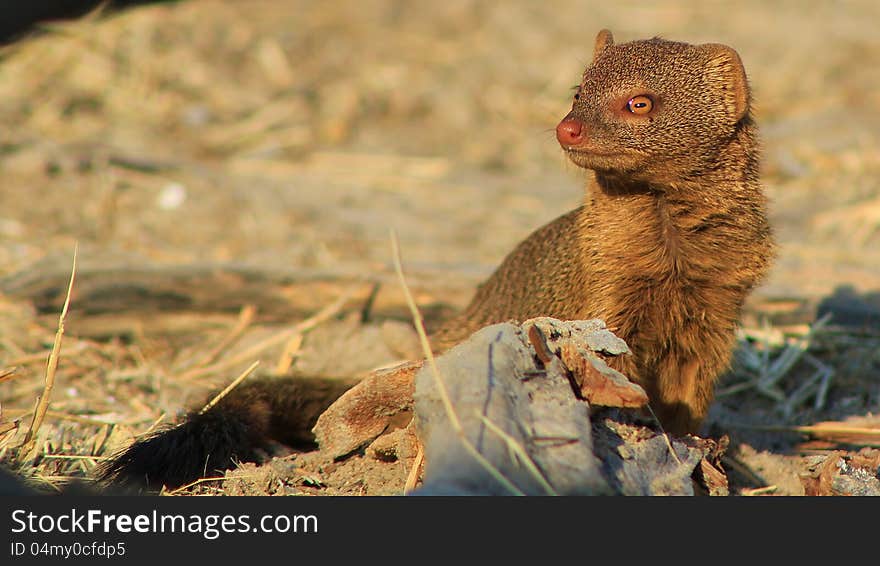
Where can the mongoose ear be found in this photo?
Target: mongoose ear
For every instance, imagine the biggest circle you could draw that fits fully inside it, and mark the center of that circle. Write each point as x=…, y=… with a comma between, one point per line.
x=725, y=68
x=603, y=40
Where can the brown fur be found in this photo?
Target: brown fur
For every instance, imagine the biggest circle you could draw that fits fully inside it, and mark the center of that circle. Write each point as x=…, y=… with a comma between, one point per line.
x=672, y=237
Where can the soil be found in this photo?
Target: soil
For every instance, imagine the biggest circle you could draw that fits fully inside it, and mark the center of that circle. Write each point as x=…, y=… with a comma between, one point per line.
x=293, y=135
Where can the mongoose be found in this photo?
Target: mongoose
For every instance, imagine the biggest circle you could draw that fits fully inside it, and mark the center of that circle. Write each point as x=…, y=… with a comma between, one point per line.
x=674, y=232
x=672, y=237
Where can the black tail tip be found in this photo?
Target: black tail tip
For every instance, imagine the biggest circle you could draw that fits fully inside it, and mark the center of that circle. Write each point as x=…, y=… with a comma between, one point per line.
x=203, y=444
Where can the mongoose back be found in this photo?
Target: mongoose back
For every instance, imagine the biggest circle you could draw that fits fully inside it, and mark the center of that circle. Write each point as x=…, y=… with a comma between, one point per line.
x=672, y=237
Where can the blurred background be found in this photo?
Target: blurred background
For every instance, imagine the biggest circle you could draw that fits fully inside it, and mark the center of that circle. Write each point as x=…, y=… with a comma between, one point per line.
x=292, y=134
x=297, y=131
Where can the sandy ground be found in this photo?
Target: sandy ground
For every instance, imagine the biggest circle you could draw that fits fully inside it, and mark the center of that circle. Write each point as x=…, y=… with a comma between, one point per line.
x=295, y=134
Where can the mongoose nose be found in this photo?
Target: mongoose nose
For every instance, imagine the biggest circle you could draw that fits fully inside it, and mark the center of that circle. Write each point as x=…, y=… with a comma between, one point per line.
x=570, y=131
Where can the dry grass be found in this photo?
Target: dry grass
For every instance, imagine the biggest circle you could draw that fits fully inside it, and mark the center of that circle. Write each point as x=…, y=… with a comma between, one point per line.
x=27, y=445
x=766, y=364
x=451, y=414
x=807, y=372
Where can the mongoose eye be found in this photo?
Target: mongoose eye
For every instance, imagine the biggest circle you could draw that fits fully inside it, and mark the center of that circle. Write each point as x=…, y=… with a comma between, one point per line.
x=640, y=105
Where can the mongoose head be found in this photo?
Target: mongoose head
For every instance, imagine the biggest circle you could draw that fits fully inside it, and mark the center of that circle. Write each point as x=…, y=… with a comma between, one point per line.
x=655, y=111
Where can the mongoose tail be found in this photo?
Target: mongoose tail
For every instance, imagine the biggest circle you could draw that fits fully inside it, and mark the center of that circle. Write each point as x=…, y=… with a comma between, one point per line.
x=237, y=429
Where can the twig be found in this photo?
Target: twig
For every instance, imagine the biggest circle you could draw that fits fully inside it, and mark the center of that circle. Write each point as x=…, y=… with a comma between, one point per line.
x=438, y=379
x=758, y=490
x=7, y=374
x=324, y=314
x=767, y=374
x=52, y=367
x=734, y=389
x=413, y=477
x=75, y=457
x=820, y=431
x=9, y=426
x=156, y=422
x=245, y=318
x=229, y=387
x=665, y=435
x=191, y=484
x=41, y=356
x=830, y=431
x=520, y=452
x=53, y=481
x=285, y=360
x=731, y=462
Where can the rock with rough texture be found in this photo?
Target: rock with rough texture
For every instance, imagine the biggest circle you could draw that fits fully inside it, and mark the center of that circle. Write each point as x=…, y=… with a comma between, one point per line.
x=505, y=391
x=518, y=419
